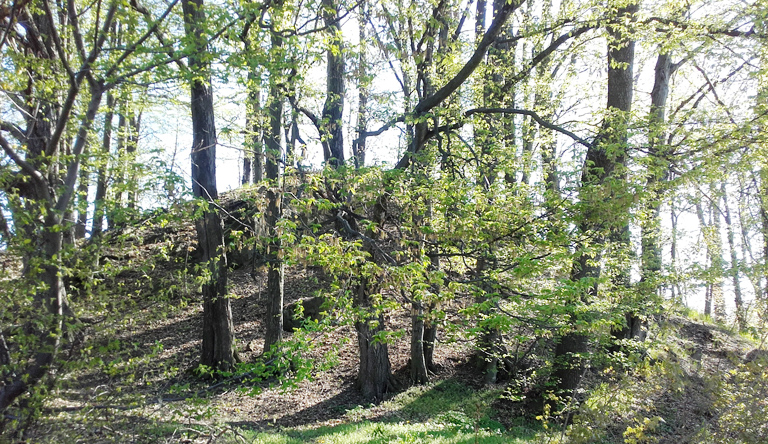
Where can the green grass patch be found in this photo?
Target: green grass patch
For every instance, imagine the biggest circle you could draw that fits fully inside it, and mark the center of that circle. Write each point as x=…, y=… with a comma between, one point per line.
x=389, y=432
x=445, y=412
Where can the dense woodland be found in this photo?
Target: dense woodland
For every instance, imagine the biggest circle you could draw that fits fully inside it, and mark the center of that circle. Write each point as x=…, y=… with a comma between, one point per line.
x=538, y=181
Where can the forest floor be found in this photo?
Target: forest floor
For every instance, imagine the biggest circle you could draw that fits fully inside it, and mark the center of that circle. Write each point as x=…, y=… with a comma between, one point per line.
x=128, y=378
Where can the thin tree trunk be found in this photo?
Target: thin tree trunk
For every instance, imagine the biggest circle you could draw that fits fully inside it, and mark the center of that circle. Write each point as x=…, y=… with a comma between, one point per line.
x=718, y=263
x=253, y=167
x=83, y=183
x=675, y=295
x=741, y=315
x=275, y=278
x=419, y=373
x=4, y=230
x=705, y=230
x=358, y=150
x=218, y=350
x=332, y=127
x=132, y=145
x=101, y=181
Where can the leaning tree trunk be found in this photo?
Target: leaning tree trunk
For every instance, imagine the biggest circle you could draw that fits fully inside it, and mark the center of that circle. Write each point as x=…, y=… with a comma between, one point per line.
x=218, y=333
x=604, y=163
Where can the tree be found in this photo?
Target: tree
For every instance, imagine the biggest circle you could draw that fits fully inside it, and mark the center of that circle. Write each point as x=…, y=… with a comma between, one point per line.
x=218, y=351
x=60, y=67
x=603, y=195
x=275, y=274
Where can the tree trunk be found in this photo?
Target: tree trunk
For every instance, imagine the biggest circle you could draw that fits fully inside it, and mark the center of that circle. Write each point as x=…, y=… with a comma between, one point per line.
x=132, y=145
x=651, y=226
x=374, y=376
x=419, y=374
x=115, y=217
x=675, y=295
x=253, y=167
x=218, y=333
x=332, y=126
x=358, y=150
x=5, y=232
x=741, y=315
x=711, y=233
x=275, y=278
x=604, y=164
x=101, y=182
x=47, y=331
x=82, y=197
x=718, y=263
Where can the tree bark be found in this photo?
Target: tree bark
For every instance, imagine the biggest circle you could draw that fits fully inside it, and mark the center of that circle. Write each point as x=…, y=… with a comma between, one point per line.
x=419, y=374
x=218, y=333
x=332, y=126
x=131, y=146
x=358, y=148
x=48, y=326
x=275, y=275
x=83, y=183
x=651, y=227
x=604, y=165
x=374, y=376
x=718, y=263
x=101, y=182
x=741, y=315
x=253, y=166
x=115, y=217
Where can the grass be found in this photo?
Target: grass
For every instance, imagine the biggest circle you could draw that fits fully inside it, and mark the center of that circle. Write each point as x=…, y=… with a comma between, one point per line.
x=447, y=412
x=387, y=432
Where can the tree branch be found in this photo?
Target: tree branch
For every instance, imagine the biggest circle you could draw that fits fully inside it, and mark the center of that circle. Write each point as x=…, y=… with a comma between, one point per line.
x=534, y=116
x=706, y=30
x=25, y=166
x=14, y=130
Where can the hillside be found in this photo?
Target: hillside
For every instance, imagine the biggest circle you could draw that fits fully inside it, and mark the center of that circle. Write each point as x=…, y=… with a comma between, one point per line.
x=127, y=377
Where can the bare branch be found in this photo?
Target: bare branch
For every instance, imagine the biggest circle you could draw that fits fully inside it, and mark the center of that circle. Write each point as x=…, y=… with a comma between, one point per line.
x=706, y=30
x=534, y=116
x=152, y=30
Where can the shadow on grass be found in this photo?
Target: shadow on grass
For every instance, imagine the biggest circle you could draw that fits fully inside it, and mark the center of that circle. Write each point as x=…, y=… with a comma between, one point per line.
x=388, y=432
x=445, y=412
